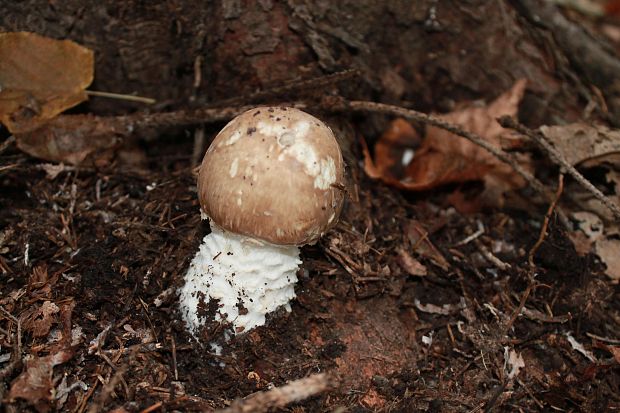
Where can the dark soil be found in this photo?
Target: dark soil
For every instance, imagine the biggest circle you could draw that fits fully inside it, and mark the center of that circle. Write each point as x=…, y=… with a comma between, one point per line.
x=110, y=248
x=91, y=259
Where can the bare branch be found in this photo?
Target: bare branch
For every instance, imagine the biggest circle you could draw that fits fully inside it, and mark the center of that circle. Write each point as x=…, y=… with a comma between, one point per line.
x=278, y=397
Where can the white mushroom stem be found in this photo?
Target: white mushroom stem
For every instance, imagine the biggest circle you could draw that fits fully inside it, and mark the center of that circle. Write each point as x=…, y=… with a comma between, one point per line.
x=249, y=278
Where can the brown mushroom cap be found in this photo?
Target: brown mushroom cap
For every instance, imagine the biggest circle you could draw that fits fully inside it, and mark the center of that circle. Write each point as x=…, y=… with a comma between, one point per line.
x=275, y=174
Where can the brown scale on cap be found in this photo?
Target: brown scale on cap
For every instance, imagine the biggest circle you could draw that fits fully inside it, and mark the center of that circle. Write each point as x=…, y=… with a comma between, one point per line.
x=274, y=174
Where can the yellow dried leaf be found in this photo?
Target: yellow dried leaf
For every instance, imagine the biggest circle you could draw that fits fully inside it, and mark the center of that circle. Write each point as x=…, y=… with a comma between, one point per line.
x=40, y=78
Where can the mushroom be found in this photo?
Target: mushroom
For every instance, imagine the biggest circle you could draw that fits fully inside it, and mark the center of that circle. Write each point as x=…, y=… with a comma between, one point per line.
x=270, y=182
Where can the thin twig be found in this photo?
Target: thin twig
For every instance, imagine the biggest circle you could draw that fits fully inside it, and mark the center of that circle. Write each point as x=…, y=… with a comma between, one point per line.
x=107, y=360
x=176, y=118
x=121, y=96
x=559, y=159
x=97, y=405
x=279, y=397
x=545, y=225
x=199, y=143
x=17, y=323
x=225, y=109
x=16, y=358
x=492, y=258
x=529, y=392
x=153, y=407
x=543, y=233
x=519, y=308
x=490, y=404
x=8, y=142
x=174, y=358
x=87, y=397
x=363, y=106
x=473, y=236
x=604, y=339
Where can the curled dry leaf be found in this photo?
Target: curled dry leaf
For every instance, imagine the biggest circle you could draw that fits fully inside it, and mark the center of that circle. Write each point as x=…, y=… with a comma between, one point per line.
x=590, y=146
x=40, y=78
x=404, y=160
x=410, y=264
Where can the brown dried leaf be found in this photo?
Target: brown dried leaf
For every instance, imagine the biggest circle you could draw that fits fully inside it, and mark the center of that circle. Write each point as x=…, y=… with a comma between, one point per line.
x=40, y=283
x=53, y=170
x=603, y=240
x=585, y=201
x=418, y=238
x=608, y=250
x=71, y=139
x=615, y=351
x=590, y=229
x=410, y=264
x=585, y=145
x=39, y=320
x=40, y=78
x=35, y=383
x=39, y=277
x=394, y=150
x=443, y=157
x=581, y=242
x=590, y=224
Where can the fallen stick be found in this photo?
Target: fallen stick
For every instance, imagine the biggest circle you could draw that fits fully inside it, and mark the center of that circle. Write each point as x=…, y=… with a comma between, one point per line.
x=278, y=397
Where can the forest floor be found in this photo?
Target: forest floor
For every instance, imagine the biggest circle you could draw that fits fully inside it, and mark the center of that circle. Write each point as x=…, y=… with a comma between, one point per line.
x=91, y=261
x=435, y=300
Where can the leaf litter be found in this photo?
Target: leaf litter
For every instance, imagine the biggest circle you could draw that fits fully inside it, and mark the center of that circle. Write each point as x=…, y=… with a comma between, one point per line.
x=596, y=230
x=35, y=384
x=389, y=241
x=404, y=159
x=408, y=160
x=368, y=322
